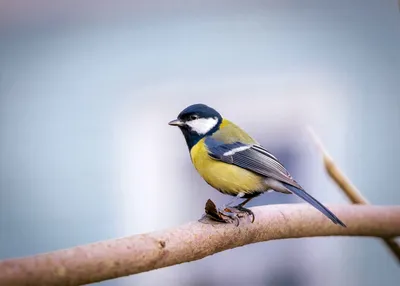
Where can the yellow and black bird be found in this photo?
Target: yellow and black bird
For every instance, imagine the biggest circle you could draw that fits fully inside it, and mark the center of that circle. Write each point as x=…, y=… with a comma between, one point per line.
x=235, y=164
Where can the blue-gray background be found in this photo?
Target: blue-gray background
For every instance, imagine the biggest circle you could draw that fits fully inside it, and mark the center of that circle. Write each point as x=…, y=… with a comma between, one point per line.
x=87, y=89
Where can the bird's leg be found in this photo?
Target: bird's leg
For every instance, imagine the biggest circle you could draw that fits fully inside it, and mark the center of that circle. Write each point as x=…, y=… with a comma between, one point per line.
x=230, y=215
x=237, y=197
x=241, y=207
x=233, y=212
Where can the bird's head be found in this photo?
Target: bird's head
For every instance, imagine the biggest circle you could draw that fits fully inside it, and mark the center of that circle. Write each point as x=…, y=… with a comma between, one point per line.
x=197, y=121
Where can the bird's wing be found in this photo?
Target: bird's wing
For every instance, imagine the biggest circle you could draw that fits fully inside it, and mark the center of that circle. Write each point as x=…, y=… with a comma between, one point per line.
x=252, y=157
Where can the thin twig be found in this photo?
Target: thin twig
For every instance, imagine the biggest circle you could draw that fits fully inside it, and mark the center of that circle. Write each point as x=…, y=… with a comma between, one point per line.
x=344, y=183
x=139, y=253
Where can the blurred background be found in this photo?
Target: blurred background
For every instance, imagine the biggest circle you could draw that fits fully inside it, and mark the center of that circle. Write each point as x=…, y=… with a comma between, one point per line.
x=87, y=89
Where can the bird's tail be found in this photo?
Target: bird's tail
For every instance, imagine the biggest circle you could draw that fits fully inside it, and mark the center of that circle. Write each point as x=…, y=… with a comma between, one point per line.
x=316, y=204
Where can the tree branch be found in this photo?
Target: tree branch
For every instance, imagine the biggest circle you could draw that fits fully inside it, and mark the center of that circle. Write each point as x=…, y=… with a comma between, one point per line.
x=352, y=193
x=139, y=253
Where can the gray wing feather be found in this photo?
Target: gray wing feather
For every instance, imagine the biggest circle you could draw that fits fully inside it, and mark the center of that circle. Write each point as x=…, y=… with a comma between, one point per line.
x=251, y=157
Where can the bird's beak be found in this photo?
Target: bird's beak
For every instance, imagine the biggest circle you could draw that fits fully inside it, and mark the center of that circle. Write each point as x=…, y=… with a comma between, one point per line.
x=176, y=122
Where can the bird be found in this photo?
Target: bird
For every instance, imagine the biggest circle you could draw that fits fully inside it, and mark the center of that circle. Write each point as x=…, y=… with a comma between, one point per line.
x=234, y=163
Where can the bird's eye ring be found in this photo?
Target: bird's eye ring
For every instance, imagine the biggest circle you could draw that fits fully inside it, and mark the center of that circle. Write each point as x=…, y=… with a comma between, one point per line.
x=193, y=117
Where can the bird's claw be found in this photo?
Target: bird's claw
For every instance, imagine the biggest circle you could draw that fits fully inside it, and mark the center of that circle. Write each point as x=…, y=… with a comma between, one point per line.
x=226, y=214
x=231, y=215
x=237, y=212
x=247, y=211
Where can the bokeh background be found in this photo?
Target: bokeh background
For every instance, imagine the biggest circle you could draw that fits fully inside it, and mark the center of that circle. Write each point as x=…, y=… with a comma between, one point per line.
x=87, y=89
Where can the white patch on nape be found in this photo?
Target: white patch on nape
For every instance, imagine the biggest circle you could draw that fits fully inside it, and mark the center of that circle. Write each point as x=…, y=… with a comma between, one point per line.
x=202, y=125
x=235, y=150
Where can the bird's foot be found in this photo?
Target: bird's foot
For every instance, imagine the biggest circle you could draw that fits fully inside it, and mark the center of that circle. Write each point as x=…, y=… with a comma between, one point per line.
x=230, y=214
x=235, y=213
x=225, y=214
x=247, y=211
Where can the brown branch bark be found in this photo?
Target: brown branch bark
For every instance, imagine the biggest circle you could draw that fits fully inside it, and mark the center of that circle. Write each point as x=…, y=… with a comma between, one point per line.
x=352, y=193
x=139, y=253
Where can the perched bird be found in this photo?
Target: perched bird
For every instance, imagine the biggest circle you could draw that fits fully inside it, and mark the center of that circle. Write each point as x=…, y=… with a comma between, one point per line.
x=235, y=164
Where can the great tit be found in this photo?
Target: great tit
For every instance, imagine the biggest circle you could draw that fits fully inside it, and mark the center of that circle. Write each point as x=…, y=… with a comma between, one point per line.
x=235, y=164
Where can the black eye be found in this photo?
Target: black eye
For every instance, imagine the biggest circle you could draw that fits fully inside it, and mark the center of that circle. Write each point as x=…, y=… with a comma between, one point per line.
x=193, y=117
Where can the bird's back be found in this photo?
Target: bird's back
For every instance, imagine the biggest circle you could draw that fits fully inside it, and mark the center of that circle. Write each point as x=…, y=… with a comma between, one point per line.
x=229, y=133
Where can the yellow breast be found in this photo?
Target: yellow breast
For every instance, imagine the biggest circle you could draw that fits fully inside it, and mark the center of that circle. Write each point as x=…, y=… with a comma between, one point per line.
x=228, y=179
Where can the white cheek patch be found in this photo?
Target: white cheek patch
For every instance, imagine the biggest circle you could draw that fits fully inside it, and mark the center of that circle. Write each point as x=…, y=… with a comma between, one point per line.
x=202, y=125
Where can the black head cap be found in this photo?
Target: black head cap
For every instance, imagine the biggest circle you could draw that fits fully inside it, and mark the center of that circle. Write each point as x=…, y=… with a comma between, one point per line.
x=200, y=110
x=197, y=112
